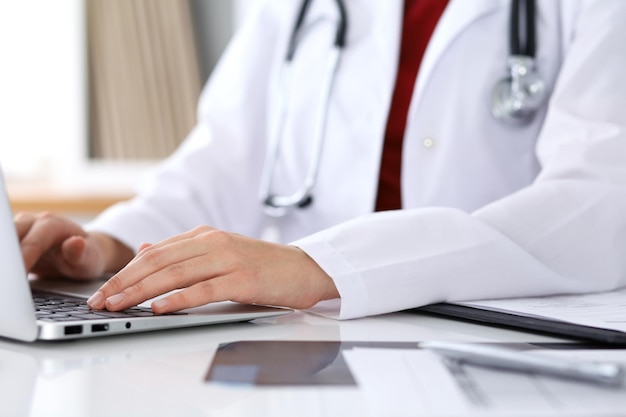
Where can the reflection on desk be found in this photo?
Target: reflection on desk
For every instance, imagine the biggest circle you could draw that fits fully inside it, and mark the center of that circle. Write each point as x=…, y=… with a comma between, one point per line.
x=163, y=373
x=288, y=362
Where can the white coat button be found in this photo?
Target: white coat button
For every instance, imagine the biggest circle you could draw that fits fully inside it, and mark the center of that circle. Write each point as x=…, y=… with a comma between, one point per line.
x=428, y=143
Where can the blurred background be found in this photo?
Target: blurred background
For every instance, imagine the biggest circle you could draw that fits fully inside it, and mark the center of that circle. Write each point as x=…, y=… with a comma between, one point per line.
x=94, y=92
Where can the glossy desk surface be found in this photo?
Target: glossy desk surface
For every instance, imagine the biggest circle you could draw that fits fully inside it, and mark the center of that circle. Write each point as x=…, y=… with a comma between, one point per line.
x=163, y=373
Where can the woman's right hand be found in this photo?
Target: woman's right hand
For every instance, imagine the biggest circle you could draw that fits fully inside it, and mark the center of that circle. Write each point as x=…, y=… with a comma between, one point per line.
x=53, y=245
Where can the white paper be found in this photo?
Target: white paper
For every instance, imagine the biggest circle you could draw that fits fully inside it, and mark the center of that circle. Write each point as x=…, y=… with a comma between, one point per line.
x=419, y=383
x=604, y=310
x=396, y=382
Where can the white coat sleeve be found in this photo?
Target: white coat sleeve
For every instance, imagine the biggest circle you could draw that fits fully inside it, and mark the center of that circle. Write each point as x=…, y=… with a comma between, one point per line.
x=565, y=233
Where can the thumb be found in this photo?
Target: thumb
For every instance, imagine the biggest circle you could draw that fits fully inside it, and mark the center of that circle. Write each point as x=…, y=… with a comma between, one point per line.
x=81, y=258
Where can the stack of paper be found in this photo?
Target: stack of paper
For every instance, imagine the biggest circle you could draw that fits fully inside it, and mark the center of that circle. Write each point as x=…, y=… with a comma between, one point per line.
x=597, y=317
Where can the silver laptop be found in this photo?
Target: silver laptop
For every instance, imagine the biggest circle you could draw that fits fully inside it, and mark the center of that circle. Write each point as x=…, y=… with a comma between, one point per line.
x=56, y=310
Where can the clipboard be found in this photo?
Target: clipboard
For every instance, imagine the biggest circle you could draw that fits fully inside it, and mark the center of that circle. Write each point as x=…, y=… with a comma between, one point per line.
x=577, y=332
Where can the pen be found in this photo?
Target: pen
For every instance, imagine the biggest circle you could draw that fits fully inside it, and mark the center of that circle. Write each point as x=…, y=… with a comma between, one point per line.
x=604, y=373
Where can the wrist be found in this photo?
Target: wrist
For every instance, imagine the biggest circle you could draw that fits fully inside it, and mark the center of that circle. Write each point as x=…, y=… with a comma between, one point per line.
x=324, y=285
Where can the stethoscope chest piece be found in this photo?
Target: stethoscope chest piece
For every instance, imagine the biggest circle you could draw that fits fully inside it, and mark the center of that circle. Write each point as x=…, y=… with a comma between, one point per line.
x=517, y=98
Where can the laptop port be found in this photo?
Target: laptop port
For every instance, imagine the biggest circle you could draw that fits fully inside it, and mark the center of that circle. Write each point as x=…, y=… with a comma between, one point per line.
x=99, y=327
x=73, y=330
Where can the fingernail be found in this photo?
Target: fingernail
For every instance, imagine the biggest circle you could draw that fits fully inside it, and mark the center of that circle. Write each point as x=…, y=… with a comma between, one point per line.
x=96, y=300
x=115, y=299
x=160, y=304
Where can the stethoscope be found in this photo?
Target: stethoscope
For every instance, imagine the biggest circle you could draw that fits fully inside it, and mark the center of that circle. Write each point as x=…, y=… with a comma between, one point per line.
x=514, y=99
x=517, y=98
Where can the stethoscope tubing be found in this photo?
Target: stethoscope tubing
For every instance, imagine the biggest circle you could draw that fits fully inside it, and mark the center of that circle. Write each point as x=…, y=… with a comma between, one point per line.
x=277, y=205
x=522, y=9
x=302, y=197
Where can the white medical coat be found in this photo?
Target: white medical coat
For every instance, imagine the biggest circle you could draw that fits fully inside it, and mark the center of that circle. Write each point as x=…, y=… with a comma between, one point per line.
x=490, y=210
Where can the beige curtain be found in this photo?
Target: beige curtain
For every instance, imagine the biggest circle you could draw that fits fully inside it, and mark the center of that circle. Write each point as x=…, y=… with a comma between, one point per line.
x=144, y=78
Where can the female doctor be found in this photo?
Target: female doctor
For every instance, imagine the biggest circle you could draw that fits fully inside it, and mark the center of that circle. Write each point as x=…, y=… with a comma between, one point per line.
x=512, y=169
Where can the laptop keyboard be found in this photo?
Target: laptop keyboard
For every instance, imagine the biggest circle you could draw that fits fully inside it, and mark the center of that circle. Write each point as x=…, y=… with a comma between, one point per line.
x=56, y=308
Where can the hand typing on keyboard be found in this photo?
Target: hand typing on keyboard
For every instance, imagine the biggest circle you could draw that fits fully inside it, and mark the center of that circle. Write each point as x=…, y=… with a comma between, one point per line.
x=206, y=264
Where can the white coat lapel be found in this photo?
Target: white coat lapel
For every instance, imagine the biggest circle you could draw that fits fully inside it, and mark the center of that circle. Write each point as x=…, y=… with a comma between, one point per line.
x=459, y=15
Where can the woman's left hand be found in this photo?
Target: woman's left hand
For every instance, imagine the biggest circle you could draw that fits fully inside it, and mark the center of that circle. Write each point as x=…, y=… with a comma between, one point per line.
x=210, y=265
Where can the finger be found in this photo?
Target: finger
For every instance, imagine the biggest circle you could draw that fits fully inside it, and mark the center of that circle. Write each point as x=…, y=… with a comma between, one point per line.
x=173, y=277
x=149, y=259
x=200, y=230
x=73, y=249
x=23, y=222
x=60, y=260
x=151, y=273
x=80, y=258
x=201, y=293
x=46, y=232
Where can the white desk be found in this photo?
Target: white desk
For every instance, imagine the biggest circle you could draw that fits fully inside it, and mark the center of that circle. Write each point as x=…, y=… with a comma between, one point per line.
x=162, y=373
